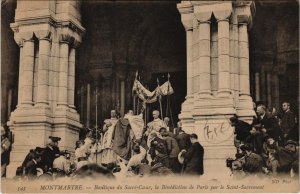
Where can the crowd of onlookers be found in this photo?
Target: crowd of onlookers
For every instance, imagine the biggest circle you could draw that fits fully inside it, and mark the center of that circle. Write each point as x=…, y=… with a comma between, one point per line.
x=269, y=145
x=117, y=149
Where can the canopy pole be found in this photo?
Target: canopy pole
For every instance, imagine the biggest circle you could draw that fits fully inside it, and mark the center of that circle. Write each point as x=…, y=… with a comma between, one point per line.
x=159, y=98
x=96, y=114
x=134, y=94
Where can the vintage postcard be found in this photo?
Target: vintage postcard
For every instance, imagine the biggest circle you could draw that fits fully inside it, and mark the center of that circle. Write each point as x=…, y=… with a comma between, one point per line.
x=105, y=96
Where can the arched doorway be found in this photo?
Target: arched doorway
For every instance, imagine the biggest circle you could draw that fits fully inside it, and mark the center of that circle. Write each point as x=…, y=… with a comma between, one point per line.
x=121, y=39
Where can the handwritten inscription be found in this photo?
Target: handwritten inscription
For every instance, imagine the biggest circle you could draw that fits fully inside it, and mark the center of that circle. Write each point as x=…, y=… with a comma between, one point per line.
x=217, y=132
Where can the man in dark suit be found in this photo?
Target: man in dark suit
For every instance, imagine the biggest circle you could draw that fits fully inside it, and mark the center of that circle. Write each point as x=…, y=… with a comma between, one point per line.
x=172, y=150
x=269, y=124
x=241, y=129
x=193, y=158
x=32, y=165
x=287, y=121
x=183, y=140
x=50, y=153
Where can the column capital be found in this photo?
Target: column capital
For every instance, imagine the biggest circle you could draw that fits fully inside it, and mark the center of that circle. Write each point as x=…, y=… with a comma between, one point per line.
x=185, y=7
x=71, y=33
x=245, y=12
x=43, y=35
x=187, y=21
x=202, y=14
x=19, y=35
x=223, y=10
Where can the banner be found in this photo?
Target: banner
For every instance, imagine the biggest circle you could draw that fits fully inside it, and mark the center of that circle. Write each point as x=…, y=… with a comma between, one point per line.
x=150, y=97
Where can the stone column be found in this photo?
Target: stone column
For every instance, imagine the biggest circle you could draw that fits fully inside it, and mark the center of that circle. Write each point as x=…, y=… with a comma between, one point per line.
x=189, y=55
x=20, y=87
x=27, y=74
x=117, y=93
x=122, y=107
x=71, y=78
x=88, y=104
x=263, y=87
x=9, y=100
x=269, y=90
x=82, y=102
x=223, y=57
x=186, y=10
x=63, y=75
x=214, y=60
x=245, y=12
x=275, y=90
x=32, y=125
x=257, y=85
x=244, y=60
x=204, y=59
x=236, y=72
x=43, y=73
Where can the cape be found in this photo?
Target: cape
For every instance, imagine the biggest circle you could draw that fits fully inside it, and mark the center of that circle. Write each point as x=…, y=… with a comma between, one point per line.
x=121, y=139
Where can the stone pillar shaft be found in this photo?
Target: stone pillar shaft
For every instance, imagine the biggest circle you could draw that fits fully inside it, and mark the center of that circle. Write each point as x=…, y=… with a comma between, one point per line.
x=244, y=60
x=71, y=78
x=88, y=104
x=204, y=58
x=20, y=88
x=122, y=108
x=9, y=100
x=189, y=55
x=257, y=85
x=236, y=70
x=63, y=75
x=223, y=57
x=214, y=60
x=82, y=102
x=269, y=89
x=26, y=78
x=43, y=73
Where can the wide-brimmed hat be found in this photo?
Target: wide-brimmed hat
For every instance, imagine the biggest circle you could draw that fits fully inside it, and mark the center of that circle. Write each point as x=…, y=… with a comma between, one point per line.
x=64, y=152
x=181, y=157
x=54, y=139
x=291, y=142
x=39, y=150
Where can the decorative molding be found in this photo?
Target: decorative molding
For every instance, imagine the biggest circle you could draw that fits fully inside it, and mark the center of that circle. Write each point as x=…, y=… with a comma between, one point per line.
x=185, y=7
x=71, y=32
x=187, y=21
x=245, y=12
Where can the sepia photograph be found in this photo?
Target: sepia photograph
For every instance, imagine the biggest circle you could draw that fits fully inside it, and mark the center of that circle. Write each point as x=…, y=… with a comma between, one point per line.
x=119, y=96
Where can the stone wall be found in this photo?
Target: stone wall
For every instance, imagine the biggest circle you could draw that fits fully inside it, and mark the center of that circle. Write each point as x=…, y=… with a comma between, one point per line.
x=121, y=38
x=274, y=54
x=9, y=62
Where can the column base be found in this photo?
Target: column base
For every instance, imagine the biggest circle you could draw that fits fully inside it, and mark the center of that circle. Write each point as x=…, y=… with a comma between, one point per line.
x=209, y=119
x=216, y=136
x=186, y=108
x=213, y=106
x=224, y=93
x=25, y=105
x=245, y=108
x=205, y=94
x=185, y=116
x=42, y=104
x=33, y=126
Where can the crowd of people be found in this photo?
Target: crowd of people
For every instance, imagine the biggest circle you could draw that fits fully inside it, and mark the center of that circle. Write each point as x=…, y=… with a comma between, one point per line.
x=127, y=146
x=124, y=146
x=268, y=146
